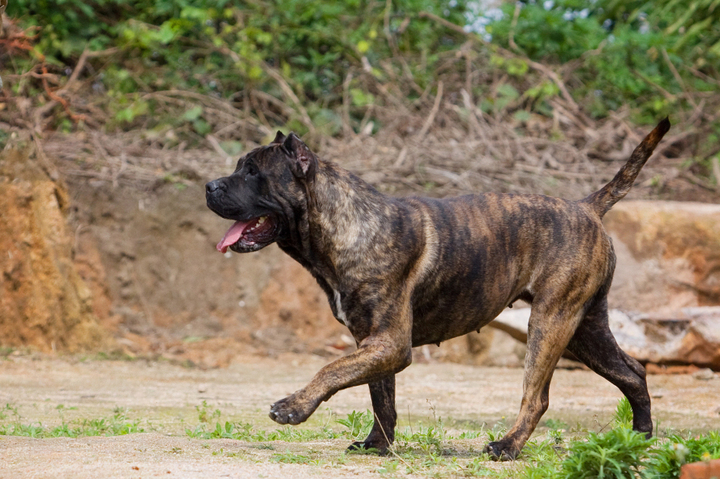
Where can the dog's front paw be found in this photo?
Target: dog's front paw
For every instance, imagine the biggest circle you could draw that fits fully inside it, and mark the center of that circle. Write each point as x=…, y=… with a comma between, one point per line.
x=502, y=450
x=291, y=410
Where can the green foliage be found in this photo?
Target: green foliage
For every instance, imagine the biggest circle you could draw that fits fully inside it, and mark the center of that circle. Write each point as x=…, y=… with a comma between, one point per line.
x=358, y=423
x=204, y=414
x=223, y=45
x=618, y=453
x=429, y=438
x=288, y=457
x=546, y=33
x=623, y=414
x=116, y=425
x=638, y=53
x=650, y=55
x=677, y=450
x=247, y=432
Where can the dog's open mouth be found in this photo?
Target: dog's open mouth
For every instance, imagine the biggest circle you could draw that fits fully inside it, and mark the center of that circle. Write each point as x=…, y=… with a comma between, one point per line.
x=249, y=235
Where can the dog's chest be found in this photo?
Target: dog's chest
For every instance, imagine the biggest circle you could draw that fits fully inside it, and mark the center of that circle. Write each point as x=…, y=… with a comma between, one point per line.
x=338, y=308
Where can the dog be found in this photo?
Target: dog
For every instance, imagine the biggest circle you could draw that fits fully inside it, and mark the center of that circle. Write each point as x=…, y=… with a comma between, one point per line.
x=404, y=272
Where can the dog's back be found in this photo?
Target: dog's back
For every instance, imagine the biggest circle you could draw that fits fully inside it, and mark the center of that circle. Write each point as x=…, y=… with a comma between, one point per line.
x=493, y=249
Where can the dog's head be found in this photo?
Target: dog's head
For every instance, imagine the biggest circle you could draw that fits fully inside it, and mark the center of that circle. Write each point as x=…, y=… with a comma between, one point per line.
x=264, y=193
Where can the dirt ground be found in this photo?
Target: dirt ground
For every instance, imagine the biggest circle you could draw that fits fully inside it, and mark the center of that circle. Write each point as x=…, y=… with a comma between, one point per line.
x=164, y=397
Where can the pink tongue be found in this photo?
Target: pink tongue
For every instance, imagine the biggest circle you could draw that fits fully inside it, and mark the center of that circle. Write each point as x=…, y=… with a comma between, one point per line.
x=232, y=236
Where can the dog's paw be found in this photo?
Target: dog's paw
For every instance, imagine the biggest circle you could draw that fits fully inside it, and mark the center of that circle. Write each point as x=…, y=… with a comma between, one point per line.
x=369, y=447
x=502, y=450
x=291, y=410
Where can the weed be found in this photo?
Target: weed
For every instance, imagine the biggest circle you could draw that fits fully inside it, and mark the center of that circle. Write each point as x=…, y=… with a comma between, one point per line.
x=477, y=467
x=676, y=451
x=116, y=425
x=556, y=424
x=623, y=414
x=288, y=457
x=620, y=452
x=358, y=423
x=204, y=414
x=498, y=430
x=388, y=467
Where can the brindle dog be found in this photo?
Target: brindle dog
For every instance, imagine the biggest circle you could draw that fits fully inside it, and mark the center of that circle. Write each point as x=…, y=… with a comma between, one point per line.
x=403, y=272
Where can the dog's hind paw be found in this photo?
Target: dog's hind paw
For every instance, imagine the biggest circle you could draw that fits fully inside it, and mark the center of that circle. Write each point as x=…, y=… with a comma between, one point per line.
x=502, y=450
x=368, y=447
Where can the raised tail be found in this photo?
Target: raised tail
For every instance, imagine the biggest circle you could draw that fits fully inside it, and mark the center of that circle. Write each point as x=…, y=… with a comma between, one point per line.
x=604, y=199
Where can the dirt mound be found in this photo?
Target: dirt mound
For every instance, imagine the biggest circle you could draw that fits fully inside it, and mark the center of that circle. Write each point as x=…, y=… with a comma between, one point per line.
x=173, y=295
x=44, y=303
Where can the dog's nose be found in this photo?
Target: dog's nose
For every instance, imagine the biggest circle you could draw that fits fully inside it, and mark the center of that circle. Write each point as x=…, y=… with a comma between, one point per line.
x=213, y=186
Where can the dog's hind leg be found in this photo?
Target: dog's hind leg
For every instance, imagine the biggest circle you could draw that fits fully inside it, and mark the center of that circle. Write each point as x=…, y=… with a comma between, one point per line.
x=594, y=345
x=551, y=326
x=382, y=435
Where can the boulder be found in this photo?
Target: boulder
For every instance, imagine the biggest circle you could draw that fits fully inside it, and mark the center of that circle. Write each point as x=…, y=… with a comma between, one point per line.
x=668, y=255
x=689, y=337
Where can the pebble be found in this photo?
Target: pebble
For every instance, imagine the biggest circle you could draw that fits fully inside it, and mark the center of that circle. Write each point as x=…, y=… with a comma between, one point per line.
x=705, y=374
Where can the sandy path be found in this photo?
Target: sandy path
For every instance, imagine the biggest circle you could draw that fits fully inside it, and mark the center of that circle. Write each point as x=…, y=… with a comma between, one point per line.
x=164, y=398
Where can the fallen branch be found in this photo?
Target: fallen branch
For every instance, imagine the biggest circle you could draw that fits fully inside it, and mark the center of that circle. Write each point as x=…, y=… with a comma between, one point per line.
x=433, y=112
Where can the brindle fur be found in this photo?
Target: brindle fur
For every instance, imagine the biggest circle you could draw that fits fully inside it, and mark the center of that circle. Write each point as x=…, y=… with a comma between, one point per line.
x=403, y=272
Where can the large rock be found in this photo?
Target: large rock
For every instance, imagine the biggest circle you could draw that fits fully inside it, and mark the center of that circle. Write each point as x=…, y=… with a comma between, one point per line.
x=689, y=337
x=668, y=255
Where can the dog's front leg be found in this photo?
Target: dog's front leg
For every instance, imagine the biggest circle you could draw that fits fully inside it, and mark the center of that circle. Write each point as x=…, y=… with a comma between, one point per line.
x=384, y=350
x=382, y=394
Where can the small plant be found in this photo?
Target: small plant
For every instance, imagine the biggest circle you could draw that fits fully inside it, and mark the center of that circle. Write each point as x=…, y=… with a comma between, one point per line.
x=388, y=467
x=116, y=425
x=556, y=435
x=676, y=451
x=623, y=414
x=204, y=414
x=556, y=424
x=478, y=468
x=620, y=452
x=358, y=423
x=497, y=431
x=288, y=457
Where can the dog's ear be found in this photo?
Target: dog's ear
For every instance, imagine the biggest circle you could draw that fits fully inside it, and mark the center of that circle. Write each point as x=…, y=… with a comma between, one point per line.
x=279, y=138
x=303, y=161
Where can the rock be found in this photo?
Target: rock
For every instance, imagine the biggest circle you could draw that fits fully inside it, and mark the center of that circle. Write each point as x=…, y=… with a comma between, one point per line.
x=701, y=470
x=667, y=255
x=705, y=374
x=690, y=337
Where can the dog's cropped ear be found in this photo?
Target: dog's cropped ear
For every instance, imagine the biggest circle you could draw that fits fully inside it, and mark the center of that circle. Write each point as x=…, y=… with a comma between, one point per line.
x=303, y=161
x=279, y=138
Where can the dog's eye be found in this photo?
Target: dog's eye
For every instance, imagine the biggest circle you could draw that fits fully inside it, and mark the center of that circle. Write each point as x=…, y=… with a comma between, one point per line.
x=251, y=170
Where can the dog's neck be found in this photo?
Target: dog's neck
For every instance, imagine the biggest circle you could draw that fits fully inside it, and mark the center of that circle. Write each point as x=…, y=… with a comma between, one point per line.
x=345, y=216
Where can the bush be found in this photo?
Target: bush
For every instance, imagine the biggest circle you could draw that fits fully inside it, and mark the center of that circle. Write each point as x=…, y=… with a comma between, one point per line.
x=637, y=53
x=220, y=45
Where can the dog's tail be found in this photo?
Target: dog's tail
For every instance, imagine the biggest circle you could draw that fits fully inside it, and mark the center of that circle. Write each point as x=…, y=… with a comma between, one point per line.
x=604, y=199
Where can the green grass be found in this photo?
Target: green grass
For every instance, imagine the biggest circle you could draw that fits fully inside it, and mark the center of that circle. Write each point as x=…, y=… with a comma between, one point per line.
x=117, y=424
x=431, y=449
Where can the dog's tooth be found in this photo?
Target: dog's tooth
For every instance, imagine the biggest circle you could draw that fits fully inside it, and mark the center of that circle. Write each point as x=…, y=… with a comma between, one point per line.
x=262, y=220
